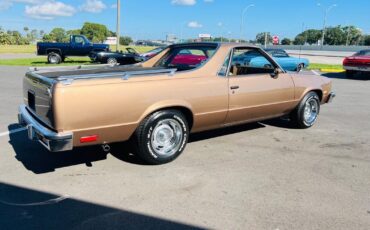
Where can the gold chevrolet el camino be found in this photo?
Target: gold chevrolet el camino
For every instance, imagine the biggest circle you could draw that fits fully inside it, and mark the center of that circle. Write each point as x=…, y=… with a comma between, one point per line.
x=184, y=89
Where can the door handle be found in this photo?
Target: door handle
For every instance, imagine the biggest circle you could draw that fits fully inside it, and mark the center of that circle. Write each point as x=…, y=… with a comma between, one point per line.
x=234, y=87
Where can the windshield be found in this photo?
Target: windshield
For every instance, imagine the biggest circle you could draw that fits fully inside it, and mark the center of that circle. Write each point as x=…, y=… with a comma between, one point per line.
x=187, y=57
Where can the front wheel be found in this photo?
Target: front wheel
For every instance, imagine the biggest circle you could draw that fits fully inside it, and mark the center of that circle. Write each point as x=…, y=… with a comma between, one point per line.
x=162, y=137
x=305, y=115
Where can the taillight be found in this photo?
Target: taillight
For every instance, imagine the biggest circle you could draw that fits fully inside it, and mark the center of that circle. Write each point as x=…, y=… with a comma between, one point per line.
x=345, y=61
x=88, y=139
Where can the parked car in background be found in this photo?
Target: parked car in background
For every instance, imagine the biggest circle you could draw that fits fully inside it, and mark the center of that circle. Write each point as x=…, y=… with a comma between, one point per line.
x=122, y=58
x=148, y=55
x=287, y=62
x=78, y=45
x=358, y=63
x=157, y=103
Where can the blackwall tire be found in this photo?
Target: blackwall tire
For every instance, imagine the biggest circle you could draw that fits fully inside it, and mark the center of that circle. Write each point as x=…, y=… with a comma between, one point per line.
x=161, y=137
x=54, y=58
x=307, y=112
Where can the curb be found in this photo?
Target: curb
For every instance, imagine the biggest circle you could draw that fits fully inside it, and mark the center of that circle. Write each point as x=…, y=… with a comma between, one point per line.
x=332, y=70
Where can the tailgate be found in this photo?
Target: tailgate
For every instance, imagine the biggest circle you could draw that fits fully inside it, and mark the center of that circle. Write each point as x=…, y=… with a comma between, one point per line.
x=37, y=94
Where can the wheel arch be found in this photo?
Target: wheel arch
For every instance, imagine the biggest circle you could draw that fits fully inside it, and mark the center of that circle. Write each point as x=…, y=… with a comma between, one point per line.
x=319, y=92
x=183, y=107
x=54, y=50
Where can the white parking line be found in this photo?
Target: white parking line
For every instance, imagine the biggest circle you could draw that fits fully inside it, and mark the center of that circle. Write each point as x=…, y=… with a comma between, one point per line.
x=12, y=131
x=314, y=72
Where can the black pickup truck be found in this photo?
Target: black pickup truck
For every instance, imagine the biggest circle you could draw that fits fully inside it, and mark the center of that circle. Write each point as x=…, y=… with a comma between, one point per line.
x=78, y=45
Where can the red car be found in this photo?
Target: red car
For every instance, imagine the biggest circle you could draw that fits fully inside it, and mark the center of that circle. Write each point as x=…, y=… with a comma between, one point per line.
x=359, y=62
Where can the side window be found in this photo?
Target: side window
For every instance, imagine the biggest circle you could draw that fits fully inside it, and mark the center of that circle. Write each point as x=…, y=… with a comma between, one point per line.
x=248, y=61
x=187, y=57
x=79, y=40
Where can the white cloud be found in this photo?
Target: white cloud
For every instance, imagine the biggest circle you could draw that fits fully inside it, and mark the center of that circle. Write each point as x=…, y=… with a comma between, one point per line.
x=113, y=6
x=184, y=2
x=220, y=24
x=194, y=24
x=49, y=10
x=6, y=4
x=93, y=6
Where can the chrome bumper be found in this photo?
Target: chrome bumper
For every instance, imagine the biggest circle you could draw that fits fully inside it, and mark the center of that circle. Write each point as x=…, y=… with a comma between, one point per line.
x=357, y=68
x=53, y=141
x=330, y=97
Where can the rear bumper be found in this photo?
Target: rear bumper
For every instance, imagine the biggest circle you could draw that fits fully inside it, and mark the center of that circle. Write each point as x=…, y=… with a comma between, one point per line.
x=358, y=68
x=53, y=141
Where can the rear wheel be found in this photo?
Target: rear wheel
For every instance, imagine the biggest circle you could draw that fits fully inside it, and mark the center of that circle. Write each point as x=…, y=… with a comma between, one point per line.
x=305, y=115
x=300, y=67
x=112, y=61
x=54, y=58
x=162, y=137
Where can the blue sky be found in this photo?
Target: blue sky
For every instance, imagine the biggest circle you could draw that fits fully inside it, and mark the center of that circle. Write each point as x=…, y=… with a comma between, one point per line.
x=153, y=19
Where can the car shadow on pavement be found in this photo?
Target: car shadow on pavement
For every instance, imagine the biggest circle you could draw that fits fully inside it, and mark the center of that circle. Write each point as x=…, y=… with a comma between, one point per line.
x=359, y=76
x=24, y=208
x=37, y=159
x=224, y=131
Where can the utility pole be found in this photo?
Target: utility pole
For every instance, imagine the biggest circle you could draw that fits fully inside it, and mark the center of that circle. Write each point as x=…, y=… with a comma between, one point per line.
x=326, y=11
x=118, y=23
x=265, y=40
x=242, y=21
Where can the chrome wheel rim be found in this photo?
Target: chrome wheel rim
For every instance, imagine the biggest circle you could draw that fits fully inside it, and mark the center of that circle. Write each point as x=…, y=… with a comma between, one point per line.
x=53, y=59
x=112, y=61
x=300, y=68
x=311, y=110
x=166, y=137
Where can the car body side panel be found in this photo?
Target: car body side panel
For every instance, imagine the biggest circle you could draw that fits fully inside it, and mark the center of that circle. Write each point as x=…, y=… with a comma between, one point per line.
x=106, y=108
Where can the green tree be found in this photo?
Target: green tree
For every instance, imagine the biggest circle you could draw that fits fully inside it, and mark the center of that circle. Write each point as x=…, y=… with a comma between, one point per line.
x=260, y=38
x=286, y=41
x=335, y=36
x=59, y=35
x=299, y=40
x=95, y=32
x=74, y=32
x=353, y=35
x=366, y=40
x=311, y=36
x=125, y=40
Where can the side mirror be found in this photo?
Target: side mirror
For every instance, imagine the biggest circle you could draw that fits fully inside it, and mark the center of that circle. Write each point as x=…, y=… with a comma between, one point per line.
x=276, y=73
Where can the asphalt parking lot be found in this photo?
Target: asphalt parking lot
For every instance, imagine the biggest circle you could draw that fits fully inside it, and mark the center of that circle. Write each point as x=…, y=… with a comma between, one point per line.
x=256, y=176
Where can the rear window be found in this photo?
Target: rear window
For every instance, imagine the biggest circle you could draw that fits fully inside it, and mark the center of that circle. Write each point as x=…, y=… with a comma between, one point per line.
x=187, y=57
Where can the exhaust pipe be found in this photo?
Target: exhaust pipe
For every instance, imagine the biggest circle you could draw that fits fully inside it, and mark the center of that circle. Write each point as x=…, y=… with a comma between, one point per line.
x=106, y=148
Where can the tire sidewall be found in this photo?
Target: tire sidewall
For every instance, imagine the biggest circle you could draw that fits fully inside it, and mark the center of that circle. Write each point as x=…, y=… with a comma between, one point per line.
x=50, y=55
x=148, y=132
x=308, y=97
x=300, y=67
x=113, y=59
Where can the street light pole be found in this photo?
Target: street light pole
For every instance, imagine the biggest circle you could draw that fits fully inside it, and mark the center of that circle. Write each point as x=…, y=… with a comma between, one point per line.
x=118, y=23
x=242, y=20
x=326, y=11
